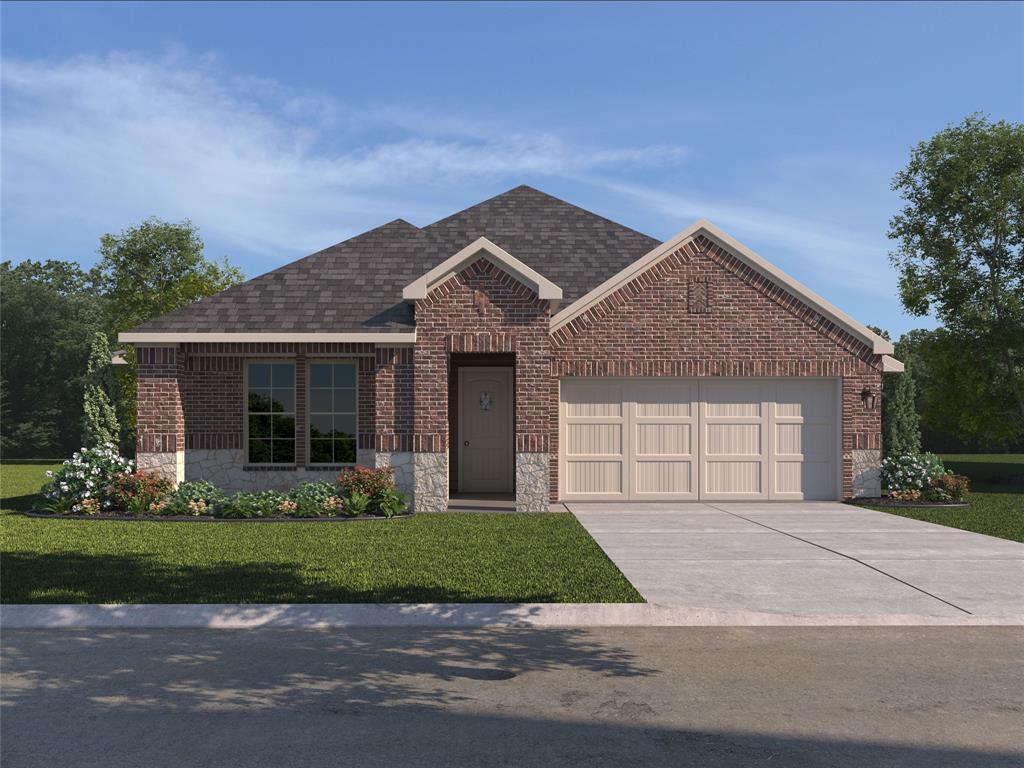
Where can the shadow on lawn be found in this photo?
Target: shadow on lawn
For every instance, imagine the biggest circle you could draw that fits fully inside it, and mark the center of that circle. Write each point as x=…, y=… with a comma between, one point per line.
x=384, y=697
x=73, y=577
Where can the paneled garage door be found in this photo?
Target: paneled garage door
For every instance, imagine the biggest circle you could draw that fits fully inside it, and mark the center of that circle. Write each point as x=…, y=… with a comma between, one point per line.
x=690, y=439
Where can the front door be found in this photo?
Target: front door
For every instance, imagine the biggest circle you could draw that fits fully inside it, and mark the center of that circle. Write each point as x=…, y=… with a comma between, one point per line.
x=485, y=430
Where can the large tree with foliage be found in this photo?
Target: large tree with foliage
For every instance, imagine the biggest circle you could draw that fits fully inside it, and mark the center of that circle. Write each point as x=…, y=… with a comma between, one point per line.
x=960, y=254
x=148, y=270
x=49, y=312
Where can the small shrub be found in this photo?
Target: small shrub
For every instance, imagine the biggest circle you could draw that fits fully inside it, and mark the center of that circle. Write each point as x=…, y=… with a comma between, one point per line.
x=315, y=499
x=139, y=492
x=84, y=476
x=947, y=488
x=391, y=503
x=370, y=482
x=911, y=471
x=195, y=498
x=357, y=503
x=248, y=505
x=905, y=495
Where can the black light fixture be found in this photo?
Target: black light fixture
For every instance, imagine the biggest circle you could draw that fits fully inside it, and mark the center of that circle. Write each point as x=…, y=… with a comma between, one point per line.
x=868, y=397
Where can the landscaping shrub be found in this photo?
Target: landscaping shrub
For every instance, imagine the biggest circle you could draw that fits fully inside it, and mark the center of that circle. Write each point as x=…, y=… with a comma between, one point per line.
x=139, y=492
x=911, y=494
x=911, y=471
x=316, y=499
x=195, y=498
x=370, y=482
x=356, y=503
x=391, y=503
x=947, y=487
x=247, y=505
x=79, y=486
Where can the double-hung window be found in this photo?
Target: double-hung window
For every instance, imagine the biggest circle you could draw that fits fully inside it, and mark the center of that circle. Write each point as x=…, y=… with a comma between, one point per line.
x=332, y=413
x=270, y=413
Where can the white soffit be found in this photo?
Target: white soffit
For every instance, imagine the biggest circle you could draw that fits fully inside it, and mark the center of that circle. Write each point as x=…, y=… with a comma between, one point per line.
x=420, y=287
x=172, y=337
x=891, y=365
x=878, y=345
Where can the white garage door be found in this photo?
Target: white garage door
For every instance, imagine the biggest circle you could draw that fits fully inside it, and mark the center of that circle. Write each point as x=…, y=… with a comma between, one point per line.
x=689, y=439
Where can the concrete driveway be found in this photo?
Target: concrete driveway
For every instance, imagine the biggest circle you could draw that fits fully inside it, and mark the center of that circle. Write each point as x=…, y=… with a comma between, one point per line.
x=807, y=559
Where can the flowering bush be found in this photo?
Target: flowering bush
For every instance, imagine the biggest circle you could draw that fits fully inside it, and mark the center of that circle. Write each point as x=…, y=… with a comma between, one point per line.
x=139, y=492
x=906, y=495
x=79, y=486
x=911, y=471
x=195, y=498
x=371, y=482
x=948, y=487
x=313, y=499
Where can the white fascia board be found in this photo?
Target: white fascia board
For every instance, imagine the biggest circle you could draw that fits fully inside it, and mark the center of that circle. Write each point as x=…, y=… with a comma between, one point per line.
x=878, y=345
x=891, y=365
x=421, y=286
x=159, y=338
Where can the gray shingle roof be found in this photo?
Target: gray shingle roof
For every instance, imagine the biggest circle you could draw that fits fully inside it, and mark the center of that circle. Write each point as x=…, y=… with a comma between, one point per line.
x=356, y=285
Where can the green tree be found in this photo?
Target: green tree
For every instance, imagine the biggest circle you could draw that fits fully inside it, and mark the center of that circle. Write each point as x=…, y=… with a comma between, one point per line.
x=148, y=270
x=99, y=422
x=48, y=313
x=960, y=255
x=902, y=427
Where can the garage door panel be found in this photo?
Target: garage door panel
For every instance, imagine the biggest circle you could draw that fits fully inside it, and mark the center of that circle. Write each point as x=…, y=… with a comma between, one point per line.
x=733, y=478
x=683, y=439
x=593, y=477
x=594, y=439
x=732, y=440
x=663, y=439
x=664, y=477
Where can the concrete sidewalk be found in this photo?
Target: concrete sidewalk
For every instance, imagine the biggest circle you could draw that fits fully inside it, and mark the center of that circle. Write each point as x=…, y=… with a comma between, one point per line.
x=808, y=559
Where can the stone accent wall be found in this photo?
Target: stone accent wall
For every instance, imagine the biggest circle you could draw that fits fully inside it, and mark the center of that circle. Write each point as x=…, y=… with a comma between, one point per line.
x=225, y=468
x=430, y=482
x=867, y=472
x=533, y=482
x=401, y=464
x=170, y=464
x=747, y=326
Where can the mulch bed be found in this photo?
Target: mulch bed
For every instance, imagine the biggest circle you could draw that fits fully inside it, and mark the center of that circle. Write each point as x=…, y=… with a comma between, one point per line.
x=211, y=519
x=884, y=501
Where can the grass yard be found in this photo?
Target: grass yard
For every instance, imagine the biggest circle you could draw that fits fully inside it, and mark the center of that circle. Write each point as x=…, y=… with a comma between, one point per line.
x=997, y=500
x=428, y=558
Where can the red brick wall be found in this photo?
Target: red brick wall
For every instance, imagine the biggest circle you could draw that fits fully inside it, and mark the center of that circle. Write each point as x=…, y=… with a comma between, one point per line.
x=751, y=327
x=205, y=387
x=484, y=310
x=161, y=420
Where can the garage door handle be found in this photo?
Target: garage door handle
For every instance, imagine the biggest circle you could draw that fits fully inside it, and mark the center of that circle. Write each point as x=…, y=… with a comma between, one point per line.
x=465, y=442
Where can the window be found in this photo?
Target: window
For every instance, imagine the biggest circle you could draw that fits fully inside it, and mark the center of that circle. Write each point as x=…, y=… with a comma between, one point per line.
x=332, y=413
x=271, y=413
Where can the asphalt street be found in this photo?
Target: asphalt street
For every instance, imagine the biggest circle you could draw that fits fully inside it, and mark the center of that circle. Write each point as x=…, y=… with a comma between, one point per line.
x=949, y=696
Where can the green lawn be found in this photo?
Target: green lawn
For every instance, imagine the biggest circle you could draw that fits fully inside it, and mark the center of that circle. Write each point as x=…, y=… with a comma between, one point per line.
x=996, y=501
x=428, y=558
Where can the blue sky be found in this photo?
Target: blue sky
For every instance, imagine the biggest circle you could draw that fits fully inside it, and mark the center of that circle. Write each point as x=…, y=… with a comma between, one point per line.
x=280, y=129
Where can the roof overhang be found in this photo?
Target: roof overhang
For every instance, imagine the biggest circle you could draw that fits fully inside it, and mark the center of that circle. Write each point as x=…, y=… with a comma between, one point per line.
x=173, y=337
x=891, y=365
x=423, y=285
x=703, y=227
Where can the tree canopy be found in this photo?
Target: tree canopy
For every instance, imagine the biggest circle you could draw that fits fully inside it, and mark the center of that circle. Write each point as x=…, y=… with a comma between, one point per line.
x=960, y=254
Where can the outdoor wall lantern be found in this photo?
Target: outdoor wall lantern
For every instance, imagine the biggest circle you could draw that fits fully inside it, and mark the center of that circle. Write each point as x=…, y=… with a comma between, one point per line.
x=868, y=397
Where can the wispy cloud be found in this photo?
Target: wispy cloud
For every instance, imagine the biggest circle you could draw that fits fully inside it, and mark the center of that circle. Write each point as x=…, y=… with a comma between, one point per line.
x=263, y=167
x=826, y=253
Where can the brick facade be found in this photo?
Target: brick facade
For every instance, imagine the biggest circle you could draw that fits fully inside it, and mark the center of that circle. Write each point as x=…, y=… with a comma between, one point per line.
x=700, y=312
x=748, y=326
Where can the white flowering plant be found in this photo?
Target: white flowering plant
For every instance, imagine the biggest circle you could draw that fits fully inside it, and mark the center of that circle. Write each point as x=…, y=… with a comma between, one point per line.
x=79, y=485
x=911, y=471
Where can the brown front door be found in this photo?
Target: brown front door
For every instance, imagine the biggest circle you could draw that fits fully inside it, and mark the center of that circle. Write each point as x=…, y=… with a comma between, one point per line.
x=485, y=430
